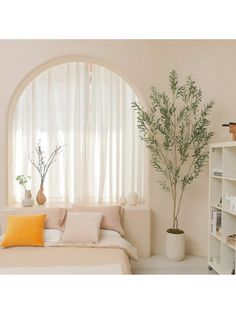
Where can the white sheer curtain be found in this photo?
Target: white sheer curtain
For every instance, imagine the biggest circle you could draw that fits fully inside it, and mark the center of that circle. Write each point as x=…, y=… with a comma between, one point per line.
x=88, y=108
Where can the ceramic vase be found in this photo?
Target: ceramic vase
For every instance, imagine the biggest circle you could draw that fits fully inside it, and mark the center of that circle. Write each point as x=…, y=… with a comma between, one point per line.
x=132, y=198
x=175, y=246
x=122, y=200
x=28, y=201
x=41, y=198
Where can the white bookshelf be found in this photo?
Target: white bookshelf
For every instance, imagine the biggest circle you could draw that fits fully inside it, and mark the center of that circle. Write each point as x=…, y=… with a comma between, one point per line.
x=222, y=254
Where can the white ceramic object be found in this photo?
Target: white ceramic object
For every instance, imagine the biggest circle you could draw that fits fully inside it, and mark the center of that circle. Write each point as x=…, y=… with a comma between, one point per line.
x=175, y=246
x=122, y=200
x=132, y=198
x=28, y=201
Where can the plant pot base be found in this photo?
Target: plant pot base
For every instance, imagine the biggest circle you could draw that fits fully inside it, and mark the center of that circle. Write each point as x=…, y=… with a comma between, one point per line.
x=175, y=246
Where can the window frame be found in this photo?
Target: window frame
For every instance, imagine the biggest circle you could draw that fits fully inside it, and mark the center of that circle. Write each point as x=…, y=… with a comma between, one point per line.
x=29, y=78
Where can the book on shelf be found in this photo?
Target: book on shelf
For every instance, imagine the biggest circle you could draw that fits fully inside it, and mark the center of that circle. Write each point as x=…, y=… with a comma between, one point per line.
x=216, y=218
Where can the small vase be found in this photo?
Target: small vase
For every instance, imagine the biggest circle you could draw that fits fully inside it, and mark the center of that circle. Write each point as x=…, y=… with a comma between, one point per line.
x=122, y=200
x=41, y=198
x=132, y=198
x=28, y=201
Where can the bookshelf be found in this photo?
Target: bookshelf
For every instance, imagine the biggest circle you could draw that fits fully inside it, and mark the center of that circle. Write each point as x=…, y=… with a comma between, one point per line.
x=222, y=220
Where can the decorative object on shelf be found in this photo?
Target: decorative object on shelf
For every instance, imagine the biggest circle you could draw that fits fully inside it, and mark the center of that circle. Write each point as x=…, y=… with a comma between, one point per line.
x=220, y=203
x=232, y=200
x=232, y=129
x=132, y=198
x=23, y=180
x=217, y=172
x=175, y=130
x=42, y=164
x=122, y=200
x=28, y=201
x=231, y=239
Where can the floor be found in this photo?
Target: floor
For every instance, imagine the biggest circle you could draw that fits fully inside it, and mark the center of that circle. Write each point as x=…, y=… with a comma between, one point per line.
x=159, y=264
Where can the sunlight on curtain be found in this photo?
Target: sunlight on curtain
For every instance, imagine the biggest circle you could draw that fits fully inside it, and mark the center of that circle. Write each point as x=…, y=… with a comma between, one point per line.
x=87, y=108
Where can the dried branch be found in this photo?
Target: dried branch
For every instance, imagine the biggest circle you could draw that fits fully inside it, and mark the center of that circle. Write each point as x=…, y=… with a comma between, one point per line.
x=41, y=164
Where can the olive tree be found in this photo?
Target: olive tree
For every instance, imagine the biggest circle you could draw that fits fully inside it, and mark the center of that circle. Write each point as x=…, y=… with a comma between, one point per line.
x=175, y=129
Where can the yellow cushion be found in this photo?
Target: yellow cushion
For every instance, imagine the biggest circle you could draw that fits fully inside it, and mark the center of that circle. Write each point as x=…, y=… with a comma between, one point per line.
x=24, y=231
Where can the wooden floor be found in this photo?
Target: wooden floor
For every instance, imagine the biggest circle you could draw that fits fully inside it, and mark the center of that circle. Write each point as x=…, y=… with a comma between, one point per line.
x=159, y=264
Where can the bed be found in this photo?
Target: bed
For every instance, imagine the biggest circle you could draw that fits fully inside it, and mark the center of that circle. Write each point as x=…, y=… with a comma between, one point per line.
x=64, y=260
x=110, y=255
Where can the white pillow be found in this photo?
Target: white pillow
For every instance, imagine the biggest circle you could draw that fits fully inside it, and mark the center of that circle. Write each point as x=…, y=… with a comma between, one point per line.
x=82, y=227
x=52, y=235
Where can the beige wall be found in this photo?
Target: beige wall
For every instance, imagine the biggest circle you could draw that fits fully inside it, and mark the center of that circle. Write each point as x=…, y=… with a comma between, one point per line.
x=144, y=63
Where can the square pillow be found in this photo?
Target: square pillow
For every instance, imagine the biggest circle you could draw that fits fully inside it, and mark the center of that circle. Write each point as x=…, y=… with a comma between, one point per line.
x=24, y=231
x=112, y=215
x=82, y=228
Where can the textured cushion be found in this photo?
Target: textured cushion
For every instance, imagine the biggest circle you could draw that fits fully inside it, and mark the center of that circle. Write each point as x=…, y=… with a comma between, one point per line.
x=24, y=230
x=112, y=215
x=54, y=220
x=82, y=227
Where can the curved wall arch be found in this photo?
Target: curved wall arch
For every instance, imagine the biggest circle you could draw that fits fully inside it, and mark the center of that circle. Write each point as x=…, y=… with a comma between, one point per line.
x=37, y=71
x=53, y=62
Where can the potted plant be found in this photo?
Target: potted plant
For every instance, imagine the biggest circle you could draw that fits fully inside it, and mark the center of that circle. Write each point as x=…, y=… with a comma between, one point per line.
x=175, y=130
x=23, y=180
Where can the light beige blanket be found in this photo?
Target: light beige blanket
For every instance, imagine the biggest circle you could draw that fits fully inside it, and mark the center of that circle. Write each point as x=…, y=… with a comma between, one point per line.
x=111, y=249
x=108, y=269
x=62, y=257
x=108, y=239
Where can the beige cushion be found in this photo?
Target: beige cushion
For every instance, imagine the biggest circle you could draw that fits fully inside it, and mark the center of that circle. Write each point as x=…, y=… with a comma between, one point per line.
x=82, y=227
x=112, y=215
x=54, y=220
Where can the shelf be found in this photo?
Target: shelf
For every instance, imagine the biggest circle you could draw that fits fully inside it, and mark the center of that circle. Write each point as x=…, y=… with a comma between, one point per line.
x=229, y=245
x=223, y=178
x=229, y=179
x=222, y=145
x=229, y=212
x=221, y=254
x=216, y=206
x=216, y=236
x=220, y=269
x=220, y=239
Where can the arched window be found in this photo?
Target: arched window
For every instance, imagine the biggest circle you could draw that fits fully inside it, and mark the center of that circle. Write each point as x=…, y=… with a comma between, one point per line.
x=88, y=108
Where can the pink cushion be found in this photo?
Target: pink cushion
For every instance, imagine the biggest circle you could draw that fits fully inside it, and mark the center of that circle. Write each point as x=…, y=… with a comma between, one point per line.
x=112, y=215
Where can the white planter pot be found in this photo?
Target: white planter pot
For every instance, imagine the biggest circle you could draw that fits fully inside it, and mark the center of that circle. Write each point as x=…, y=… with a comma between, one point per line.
x=175, y=246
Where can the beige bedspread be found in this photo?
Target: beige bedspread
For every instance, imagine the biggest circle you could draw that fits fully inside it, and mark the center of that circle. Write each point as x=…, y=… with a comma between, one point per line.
x=63, y=256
